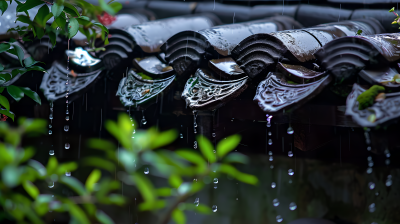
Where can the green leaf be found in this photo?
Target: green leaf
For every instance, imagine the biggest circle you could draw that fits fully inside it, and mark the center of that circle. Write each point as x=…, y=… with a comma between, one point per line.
x=175, y=180
x=10, y=176
x=61, y=22
x=203, y=209
x=53, y=38
x=116, y=6
x=29, y=61
x=57, y=9
x=1, y=67
x=4, y=47
x=19, y=53
x=7, y=113
x=73, y=27
x=77, y=213
x=52, y=165
x=178, y=216
x=26, y=39
x=42, y=15
x=99, y=163
x=74, y=184
x=1, y=89
x=246, y=178
x=164, y=138
x=3, y=6
x=236, y=158
x=103, y=217
x=391, y=10
x=31, y=189
x=164, y=192
x=24, y=19
x=15, y=92
x=145, y=187
x=70, y=9
x=106, y=7
x=102, y=27
x=4, y=102
x=28, y=5
x=206, y=148
x=31, y=94
x=227, y=145
x=93, y=178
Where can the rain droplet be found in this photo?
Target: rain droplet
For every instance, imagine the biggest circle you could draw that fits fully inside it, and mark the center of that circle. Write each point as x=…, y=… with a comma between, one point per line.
x=371, y=207
x=387, y=162
x=67, y=145
x=195, y=124
x=369, y=158
x=67, y=112
x=51, y=185
x=271, y=167
x=371, y=164
x=215, y=186
x=50, y=132
x=143, y=121
x=279, y=218
x=371, y=185
x=51, y=117
x=50, y=126
x=290, y=154
x=214, y=208
x=181, y=135
x=270, y=153
x=66, y=101
x=268, y=124
x=275, y=202
x=197, y=201
x=369, y=170
x=146, y=170
x=67, y=118
x=292, y=206
x=270, y=142
x=68, y=174
x=269, y=133
x=290, y=172
x=215, y=180
x=273, y=184
x=213, y=135
x=369, y=148
x=290, y=130
x=66, y=128
x=271, y=158
x=195, y=145
x=51, y=152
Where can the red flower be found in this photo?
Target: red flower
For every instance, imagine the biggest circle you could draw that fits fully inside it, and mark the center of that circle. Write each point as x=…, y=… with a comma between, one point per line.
x=4, y=118
x=106, y=19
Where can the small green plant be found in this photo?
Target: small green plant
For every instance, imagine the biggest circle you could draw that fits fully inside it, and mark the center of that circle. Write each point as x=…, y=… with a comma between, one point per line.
x=367, y=98
x=67, y=20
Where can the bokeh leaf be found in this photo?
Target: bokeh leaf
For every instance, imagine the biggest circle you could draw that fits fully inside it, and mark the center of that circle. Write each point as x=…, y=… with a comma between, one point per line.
x=28, y=5
x=227, y=145
x=15, y=92
x=31, y=94
x=103, y=217
x=74, y=184
x=206, y=148
x=4, y=102
x=164, y=138
x=31, y=189
x=93, y=178
x=57, y=9
x=179, y=216
x=7, y=113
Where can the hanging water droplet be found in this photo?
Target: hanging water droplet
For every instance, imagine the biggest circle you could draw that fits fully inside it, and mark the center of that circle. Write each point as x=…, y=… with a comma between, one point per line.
x=51, y=152
x=214, y=208
x=369, y=158
x=66, y=101
x=143, y=121
x=66, y=128
x=275, y=202
x=214, y=151
x=68, y=174
x=51, y=185
x=146, y=170
x=213, y=135
x=371, y=164
x=134, y=131
x=273, y=185
x=67, y=112
x=388, y=182
x=215, y=186
x=290, y=130
x=290, y=154
x=268, y=124
x=215, y=180
x=67, y=118
x=371, y=185
x=270, y=142
x=50, y=126
x=279, y=218
x=387, y=153
x=195, y=131
x=195, y=145
x=387, y=162
x=51, y=117
x=290, y=181
x=290, y=172
x=271, y=158
x=67, y=145
x=197, y=201
x=269, y=133
x=181, y=135
x=369, y=148
x=292, y=206
x=50, y=132
x=271, y=167
x=369, y=170
x=371, y=207
x=270, y=153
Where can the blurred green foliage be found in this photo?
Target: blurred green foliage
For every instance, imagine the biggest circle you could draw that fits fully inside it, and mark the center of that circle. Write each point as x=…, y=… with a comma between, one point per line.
x=21, y=198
